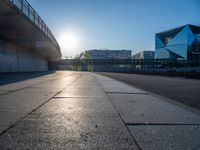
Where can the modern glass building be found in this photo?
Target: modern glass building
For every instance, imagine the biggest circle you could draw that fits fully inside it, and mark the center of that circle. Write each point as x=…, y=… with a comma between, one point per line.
x=182, y=43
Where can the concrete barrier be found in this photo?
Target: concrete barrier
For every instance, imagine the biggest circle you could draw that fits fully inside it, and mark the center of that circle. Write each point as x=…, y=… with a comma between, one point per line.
x=14, y=58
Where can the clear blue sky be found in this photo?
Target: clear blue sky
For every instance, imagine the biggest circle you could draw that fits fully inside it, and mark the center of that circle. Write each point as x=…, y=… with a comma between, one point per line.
x=115, y=24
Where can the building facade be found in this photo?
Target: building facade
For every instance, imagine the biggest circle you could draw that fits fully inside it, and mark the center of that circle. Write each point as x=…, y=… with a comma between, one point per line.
x=108, y=54
x=144, y=55
x=182, y=43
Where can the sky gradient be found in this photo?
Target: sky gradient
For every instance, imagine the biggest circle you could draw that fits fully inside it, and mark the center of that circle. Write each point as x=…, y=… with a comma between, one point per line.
x=115, y=24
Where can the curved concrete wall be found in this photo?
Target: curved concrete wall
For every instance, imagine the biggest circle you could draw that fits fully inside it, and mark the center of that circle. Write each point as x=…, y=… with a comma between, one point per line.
x=14, y=58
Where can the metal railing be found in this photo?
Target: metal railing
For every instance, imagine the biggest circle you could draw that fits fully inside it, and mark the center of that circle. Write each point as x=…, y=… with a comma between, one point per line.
x=142, y=62
x=25, y=8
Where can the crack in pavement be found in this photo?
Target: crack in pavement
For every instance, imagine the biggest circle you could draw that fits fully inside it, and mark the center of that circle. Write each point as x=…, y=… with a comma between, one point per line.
x=134, y=139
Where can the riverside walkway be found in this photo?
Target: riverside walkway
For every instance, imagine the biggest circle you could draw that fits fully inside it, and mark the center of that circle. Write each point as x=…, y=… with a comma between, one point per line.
x=79, y=110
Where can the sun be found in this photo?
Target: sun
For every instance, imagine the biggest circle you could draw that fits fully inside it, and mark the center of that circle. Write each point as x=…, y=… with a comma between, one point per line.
x=68, y=41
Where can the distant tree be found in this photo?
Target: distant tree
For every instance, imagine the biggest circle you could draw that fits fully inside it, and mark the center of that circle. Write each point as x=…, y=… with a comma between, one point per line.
x=87, y=55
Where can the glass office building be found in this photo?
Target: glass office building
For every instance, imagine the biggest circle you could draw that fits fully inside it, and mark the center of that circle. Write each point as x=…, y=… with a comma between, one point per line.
x=182, y=43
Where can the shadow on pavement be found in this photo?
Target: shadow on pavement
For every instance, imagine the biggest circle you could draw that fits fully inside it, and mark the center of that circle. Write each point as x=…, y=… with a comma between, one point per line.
x=6, y=78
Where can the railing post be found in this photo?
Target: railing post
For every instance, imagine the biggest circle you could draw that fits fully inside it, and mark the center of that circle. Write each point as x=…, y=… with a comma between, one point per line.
x=21, y=1
x=28, y=11
x=38, y=20
x=34, y=16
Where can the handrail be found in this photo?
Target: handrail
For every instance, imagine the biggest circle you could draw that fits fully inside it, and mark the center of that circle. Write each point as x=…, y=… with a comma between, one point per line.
x=32, y=15
x=143, y=62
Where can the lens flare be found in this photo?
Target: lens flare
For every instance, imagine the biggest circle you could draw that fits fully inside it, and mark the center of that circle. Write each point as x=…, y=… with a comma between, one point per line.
x=68, y=41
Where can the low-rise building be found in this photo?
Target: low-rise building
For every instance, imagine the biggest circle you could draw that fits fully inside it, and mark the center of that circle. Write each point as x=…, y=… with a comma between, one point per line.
x=107, y=54
x=144, y=55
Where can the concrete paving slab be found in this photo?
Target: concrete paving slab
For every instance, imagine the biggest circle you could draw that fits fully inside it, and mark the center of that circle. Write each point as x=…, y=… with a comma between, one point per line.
x=167, y=137
x=3, y=91
x=31, y=82
x=116, y=87
x=70, y=123
x=16, y=105
x=82, y=83
x=82, y=92
x=86, y=80
x=112, y=86
x=86, y=86
x=59, y=83
x=139, y=108
x=185, y=91
x=20, y=85
x=99, y=115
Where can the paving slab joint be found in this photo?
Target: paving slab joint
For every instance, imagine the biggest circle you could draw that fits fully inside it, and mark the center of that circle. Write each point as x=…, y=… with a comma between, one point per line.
x=127, y=93
x=162, y=124
x=134, y=139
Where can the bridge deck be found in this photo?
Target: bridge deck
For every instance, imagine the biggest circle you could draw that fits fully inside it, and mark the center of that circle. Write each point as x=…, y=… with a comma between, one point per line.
x=21, y=25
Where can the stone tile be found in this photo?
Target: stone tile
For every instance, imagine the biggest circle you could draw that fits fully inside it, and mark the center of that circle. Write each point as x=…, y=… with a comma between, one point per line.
x=139, y=108
x=167, y=137
x=35, y=81
x=16, y=105
x=72, y=123
x=83, y=91
x=114, y=86
x=3, y=91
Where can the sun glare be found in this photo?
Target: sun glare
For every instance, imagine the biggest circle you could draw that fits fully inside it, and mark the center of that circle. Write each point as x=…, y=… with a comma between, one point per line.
x=68, y=41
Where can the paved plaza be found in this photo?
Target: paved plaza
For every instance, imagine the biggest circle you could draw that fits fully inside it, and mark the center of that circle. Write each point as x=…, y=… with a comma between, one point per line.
x=183, y=90
x=80, y=110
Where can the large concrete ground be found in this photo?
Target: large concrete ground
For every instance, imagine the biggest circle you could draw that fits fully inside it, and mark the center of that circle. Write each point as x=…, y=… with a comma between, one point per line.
x=75, y=110
x=186, y=91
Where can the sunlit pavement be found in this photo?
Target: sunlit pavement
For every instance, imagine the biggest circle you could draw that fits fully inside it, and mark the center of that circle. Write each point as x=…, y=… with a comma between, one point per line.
x=77, y=110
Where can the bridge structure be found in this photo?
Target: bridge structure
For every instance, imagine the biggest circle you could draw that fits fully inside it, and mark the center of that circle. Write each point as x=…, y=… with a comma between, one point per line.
x=26, y=42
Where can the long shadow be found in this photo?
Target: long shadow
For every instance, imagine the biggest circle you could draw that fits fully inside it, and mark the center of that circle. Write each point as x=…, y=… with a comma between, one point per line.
x=6, y=78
